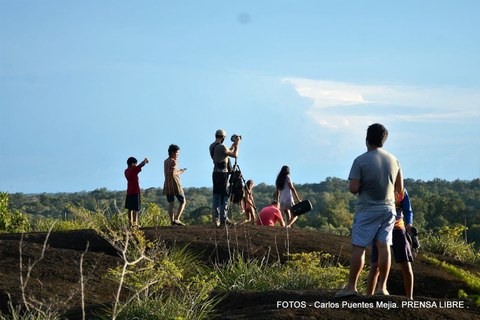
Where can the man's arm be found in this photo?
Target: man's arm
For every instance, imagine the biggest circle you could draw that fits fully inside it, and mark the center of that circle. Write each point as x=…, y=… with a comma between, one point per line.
x=233, y=151
x=399, y=186
x=354, y=186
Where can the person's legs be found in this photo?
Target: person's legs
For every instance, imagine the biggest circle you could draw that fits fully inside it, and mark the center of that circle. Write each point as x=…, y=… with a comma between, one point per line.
x=170, y=211
x=357, y=261
x=223, y=208
x=251, y=215
x=372, y=279
x=131, y=218
x=407, y=275
x=373, y=274
x=403, y=256
x=216, y=207
x=181, y=206
x=170, y=200
x=291, y=218
x=384, y=264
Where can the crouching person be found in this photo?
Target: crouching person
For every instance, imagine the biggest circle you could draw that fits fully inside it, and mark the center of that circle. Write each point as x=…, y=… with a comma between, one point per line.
x=271, y=215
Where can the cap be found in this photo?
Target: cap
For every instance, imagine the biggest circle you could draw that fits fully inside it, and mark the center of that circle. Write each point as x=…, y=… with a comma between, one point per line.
x=221, y=132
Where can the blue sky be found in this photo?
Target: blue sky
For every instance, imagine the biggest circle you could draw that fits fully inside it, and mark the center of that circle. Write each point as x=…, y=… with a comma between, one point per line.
x=86, y=84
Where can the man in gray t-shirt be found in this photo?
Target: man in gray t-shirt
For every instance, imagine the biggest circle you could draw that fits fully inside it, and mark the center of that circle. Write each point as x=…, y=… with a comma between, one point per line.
x=377, y=172
x=377, y=178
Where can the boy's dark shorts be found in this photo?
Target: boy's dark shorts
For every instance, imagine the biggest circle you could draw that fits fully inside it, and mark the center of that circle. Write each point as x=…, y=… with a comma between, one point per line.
x=401, y=248
x=180, y=198
x=132, y=202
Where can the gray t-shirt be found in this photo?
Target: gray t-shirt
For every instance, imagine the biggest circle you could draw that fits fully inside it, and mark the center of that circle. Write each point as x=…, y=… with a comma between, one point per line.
x=377, y=171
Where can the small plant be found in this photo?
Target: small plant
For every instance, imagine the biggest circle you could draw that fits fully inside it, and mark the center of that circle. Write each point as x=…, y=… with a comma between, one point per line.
x=302, y=271
x=449, y=242
x=241, y=274
x=314, y=270
x=154, y=216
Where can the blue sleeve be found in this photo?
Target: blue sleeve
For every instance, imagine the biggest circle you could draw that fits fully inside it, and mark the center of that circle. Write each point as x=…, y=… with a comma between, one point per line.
x=407, y=209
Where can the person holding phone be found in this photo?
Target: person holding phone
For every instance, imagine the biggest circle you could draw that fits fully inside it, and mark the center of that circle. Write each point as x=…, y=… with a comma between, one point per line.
x=172, y=186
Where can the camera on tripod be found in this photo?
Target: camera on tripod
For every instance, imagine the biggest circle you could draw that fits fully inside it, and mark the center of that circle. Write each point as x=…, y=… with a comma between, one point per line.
x=234, y=137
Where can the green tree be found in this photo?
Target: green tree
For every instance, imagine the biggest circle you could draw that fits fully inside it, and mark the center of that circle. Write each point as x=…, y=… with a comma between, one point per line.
x=11, y=221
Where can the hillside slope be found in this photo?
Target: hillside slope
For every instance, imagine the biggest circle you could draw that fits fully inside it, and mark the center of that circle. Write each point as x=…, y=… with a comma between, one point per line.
x=56, y=278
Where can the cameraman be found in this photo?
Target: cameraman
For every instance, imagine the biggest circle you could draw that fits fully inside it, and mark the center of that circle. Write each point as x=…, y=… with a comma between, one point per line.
x=220, y=155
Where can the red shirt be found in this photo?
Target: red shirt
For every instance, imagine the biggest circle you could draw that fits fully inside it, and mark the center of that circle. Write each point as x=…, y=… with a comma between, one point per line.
x=131, y=173
x=269, y=215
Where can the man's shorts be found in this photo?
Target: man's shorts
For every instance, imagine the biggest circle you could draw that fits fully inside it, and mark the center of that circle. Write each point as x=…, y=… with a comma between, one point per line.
x=132, y=202
x=373, y=225
x=180, y=198
x=401, y=248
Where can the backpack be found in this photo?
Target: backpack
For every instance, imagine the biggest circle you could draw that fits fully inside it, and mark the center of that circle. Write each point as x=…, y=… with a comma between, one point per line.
x=236, y=185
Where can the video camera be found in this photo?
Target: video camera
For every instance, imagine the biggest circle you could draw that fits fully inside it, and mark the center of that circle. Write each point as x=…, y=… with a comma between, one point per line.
x=234, y=137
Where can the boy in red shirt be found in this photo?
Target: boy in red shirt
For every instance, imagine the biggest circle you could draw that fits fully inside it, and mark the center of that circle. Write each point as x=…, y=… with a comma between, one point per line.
x=270, y=215
x=132, y=200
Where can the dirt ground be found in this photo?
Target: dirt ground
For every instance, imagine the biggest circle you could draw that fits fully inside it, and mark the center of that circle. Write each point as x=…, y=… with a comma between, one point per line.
x=56, y=278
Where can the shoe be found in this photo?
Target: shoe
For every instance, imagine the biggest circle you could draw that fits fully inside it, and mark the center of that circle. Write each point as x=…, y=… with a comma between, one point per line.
x=178, y=223
x=346, y=293
x=382, y=293
x=216, y=223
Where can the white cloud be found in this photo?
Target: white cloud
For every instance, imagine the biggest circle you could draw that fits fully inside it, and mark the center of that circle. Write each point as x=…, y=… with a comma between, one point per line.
x=332, y=102
x=327, y=93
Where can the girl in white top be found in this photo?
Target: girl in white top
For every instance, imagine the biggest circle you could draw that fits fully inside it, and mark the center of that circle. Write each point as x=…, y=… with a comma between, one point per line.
x=286, y=194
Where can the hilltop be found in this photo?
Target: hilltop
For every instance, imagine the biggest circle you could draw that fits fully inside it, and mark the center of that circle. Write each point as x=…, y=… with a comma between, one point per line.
x=57, y=276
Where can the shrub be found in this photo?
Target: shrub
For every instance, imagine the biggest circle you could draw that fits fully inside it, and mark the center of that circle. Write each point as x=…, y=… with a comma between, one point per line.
x=154, y=216
x=11, y=221
x=163, y=283
x=303, y=271
x=449, y=242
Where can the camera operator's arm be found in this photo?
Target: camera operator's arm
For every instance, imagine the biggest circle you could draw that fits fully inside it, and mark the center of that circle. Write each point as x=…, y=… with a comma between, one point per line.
x=233, y=151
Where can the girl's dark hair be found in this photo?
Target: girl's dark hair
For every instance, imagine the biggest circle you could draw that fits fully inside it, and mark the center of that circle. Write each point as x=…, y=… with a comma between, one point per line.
x=248, y=183
x=282, y=176
x=172, y=149
x=131, y=161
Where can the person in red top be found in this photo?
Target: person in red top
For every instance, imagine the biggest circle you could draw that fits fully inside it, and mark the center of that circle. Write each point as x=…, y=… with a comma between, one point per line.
x=270, y=215
x=132, y=200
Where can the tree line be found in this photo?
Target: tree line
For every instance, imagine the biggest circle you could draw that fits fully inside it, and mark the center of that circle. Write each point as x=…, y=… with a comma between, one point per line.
x=436, y=204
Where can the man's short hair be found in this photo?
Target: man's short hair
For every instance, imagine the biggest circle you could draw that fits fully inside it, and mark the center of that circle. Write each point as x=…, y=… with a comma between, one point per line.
x=172, y=149
x=131, y=161
x=376, y=135
x=220, y=133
